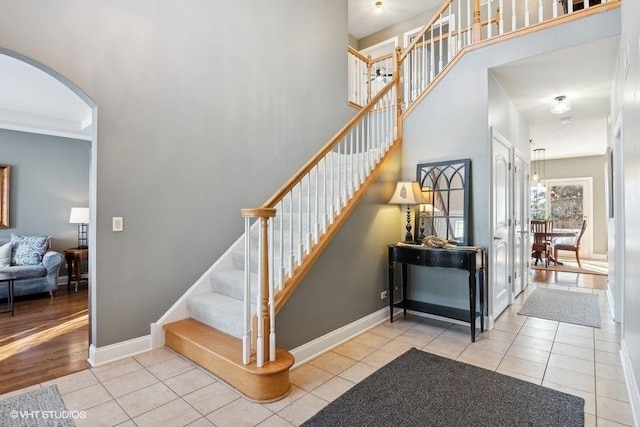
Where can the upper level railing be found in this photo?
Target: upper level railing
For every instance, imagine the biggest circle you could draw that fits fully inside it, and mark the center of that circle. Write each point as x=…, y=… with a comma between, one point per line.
x=294, y=223
x=456, y=25
x=367, y=77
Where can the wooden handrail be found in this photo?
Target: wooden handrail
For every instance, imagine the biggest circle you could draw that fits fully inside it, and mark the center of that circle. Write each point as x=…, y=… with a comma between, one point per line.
x=357, y=54
x=293, y=181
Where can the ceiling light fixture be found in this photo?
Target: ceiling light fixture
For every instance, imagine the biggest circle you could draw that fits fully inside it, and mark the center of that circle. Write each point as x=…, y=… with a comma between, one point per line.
x=540, y=166
x=378, y=9
x=560, y=105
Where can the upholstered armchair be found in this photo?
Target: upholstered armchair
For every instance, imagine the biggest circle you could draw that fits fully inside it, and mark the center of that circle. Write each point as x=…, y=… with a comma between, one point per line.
x=32, y=277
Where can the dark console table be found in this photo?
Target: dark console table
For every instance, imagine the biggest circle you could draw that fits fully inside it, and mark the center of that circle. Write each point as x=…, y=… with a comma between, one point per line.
x=469, y=258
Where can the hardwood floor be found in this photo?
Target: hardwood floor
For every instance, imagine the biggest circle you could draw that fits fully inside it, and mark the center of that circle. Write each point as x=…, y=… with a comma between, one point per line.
x=590, y=281
x=47, y=338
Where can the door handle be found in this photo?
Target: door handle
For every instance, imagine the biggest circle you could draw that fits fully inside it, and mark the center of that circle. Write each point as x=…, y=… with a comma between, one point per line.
x=497, y=238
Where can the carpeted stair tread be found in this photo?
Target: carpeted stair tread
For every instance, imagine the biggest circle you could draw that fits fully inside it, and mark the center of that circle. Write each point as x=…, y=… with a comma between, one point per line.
x=219, y=311
x=230, y=282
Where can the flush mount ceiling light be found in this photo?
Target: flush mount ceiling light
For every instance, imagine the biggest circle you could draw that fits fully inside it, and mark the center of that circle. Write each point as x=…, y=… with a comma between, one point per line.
x=378, y=9
x=560, y=105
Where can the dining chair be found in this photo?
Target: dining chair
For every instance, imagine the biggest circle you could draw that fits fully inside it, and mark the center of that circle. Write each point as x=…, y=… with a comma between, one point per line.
x=573, y=247
x=541, y=244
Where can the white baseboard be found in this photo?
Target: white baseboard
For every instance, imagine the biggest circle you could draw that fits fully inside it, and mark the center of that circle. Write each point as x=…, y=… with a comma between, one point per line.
x=632, y=384
x=110, y=353
x=322, y=344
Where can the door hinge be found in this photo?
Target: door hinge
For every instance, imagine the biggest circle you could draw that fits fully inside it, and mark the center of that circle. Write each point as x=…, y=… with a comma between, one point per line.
x=509, y=165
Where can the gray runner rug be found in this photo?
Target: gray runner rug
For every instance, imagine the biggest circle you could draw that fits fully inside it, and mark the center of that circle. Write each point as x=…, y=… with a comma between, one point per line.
x=564, y=306
x=39, y=408
x=422, y=389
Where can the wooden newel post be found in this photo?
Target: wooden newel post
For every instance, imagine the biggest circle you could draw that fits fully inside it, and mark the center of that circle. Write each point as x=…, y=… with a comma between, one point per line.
x=477, y=25
x=397, y=69
x=262, y=322
x=369, y=78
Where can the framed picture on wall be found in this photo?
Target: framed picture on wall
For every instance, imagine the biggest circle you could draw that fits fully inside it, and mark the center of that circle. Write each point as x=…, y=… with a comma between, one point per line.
x=4, y=196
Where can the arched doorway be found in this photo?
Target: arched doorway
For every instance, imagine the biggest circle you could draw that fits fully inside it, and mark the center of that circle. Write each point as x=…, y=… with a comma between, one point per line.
x=43, y=104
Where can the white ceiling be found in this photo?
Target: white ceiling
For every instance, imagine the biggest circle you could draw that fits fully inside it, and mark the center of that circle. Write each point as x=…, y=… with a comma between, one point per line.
x=33, y=101
x=364, y=21
x=584, y=74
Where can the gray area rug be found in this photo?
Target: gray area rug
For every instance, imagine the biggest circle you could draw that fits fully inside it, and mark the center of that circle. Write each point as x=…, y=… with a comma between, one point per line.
x=39, y=408
x=564, y=306
x=422, y=389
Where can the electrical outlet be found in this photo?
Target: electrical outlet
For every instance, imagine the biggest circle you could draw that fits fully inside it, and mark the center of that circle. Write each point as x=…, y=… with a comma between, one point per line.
x=383, y=294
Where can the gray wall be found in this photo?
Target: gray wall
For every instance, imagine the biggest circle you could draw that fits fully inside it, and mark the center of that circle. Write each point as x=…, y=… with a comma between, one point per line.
x=49, y=176
x=345, y=283
x=203, y=108
x=592, y=166
x=396, y=30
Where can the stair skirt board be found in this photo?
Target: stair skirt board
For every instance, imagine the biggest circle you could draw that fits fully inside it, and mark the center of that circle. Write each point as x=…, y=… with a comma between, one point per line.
x=221, y=354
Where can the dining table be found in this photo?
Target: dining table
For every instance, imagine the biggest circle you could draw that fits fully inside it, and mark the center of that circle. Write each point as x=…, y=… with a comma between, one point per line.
x=552, y=235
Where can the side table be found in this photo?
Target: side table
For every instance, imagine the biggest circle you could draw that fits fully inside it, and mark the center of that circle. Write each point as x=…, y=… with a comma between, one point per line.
x=74, y=258
x=8, y=278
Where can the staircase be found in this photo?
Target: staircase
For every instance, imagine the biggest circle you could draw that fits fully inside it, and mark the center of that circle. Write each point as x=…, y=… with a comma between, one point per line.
x=229, y=325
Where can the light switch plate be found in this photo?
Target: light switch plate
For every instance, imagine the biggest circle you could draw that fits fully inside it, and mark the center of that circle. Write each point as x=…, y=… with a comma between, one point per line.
x=117, y=223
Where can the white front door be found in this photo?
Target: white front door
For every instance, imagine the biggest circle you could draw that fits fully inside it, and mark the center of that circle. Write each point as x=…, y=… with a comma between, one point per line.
x=501, y=224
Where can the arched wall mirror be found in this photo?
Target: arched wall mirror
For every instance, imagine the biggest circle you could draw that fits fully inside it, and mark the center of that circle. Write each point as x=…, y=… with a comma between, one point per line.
x=446, y=185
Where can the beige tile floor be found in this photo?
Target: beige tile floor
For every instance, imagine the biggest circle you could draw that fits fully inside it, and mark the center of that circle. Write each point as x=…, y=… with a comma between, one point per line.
x=160, y=388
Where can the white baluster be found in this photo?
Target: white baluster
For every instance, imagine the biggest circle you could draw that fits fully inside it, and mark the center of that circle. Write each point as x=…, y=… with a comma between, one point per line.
x=489, y=26
x=300, y=232
x=501, y=22
x=345, y=177
x=469, y=22
x=246, y=337
x=526, y=13
x=308, y=234
x=352, y=183
x=432, y=74
x=513, y=15
x=325, y=210
x=259, y=314
x=271, y=252
x=459, y=36
x=332, y=210
x=282, y=259
x=554, y=8
x=272, y=323
x=316, y=223
x=541, y=11
x=291, y=246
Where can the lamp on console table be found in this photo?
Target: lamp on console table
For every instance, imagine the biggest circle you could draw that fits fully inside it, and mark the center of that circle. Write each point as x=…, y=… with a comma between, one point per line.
x=80, y=216
x=408, y=193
